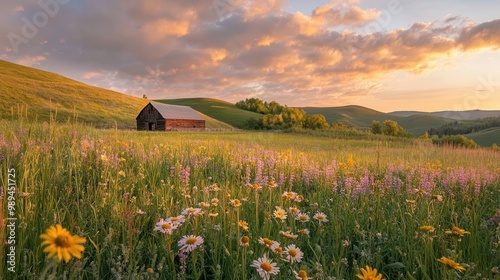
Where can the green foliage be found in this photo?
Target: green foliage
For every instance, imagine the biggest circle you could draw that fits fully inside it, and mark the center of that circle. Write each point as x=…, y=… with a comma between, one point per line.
x=454, y=140
x=316, y=121
x=376, y=127
x=466, y=127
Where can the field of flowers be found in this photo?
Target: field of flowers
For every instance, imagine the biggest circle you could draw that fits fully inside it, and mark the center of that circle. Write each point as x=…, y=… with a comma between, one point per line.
x=107, y=204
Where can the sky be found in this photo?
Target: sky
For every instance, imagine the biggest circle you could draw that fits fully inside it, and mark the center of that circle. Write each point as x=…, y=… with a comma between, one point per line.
x=388, y=55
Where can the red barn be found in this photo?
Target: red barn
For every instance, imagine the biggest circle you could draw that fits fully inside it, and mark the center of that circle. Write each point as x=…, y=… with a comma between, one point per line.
x=166, y=117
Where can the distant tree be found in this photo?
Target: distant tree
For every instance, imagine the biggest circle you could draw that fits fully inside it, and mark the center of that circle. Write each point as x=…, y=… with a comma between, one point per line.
x=425, y=136
x=272, y=121
x=339, y=126
x=316, y=121
x=391, y=128
x=376, y=127
x=144, y=96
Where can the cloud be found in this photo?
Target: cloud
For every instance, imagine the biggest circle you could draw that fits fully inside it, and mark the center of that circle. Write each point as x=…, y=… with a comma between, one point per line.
x=186, y=48
x=31, y=60
x=91, y=75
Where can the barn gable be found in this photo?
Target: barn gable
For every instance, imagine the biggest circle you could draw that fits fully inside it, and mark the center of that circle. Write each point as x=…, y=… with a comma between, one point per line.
x=158, y=116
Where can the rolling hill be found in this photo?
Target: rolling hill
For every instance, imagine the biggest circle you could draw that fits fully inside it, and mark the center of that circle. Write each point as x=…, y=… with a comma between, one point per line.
x=456, y=115
x=486, y=137
x=37, y=94
x=220, y=110
x=362, y=117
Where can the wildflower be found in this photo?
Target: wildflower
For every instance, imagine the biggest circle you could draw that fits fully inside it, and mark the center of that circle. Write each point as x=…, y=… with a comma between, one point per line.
x=256, y=187
x=190, y=211
x=235, y=202
x=268, y=243
x=189, y=242
x=243, y=225
x=294, y=211
x=265, y=267
x=121, y=173
x=301, y=275
x=62, y=244
x=451, y=264
x=437, y=197
x=427, y=228
x=244, y=241
x=140, y=212
x=346, y=243
x=215, y=202
x=213, y=215
x=419, y=192
x=411, y=202
x=369, y=274
x=299, y=198
x=104, y=158
x=288, y=234
x=289, y=195
x=302, y=217
x=456, y=231
x=321, y=217
x=293, y=254
x=272, y=184
x=214, y=188
x=204, y=204
x=279, y=213
x=278, y=250
x=304, y=231
x=164, y=226
x=177, y=220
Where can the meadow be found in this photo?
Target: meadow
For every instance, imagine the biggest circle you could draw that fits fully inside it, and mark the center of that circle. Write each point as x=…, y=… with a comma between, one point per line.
x=247, y=205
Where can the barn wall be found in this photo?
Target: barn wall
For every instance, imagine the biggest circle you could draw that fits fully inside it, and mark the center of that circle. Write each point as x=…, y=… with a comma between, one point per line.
x=175, y=123
x=150, y=115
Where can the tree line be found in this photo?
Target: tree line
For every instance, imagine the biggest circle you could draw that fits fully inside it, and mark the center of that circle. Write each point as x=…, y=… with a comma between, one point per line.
x=277, y=116
x=465, y=127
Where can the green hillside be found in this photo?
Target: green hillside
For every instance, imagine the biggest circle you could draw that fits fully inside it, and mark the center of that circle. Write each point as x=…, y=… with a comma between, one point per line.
x=220, y=110
x=486, y=137
x=35, y=94
x=419, y=124
x=39, y=93
x=357, y=116
x=362, y=117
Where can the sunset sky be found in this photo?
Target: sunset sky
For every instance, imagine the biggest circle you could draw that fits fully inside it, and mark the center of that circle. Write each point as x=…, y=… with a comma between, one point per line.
x=389, y=55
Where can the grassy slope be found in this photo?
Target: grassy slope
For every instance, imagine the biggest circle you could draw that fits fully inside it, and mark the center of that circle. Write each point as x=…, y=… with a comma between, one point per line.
x=220, y=110
x=44, y=92
x=419, y=124
x=486, y=137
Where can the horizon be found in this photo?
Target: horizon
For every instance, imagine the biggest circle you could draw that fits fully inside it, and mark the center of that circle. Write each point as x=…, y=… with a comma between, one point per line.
x=394, y=55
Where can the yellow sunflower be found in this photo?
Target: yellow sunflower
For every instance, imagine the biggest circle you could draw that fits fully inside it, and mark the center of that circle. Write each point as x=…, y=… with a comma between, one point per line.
x=62, y=244
x=369, y=274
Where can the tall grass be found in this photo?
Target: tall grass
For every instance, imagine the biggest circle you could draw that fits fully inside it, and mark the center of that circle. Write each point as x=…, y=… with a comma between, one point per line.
x=113, y=186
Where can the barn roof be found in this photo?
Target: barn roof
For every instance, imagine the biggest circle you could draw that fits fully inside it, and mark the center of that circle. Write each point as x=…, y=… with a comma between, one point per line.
x=178, y=112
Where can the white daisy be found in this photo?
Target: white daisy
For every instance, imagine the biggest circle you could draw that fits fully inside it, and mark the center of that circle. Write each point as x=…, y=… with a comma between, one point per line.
x=321, y=217
x=164, y=226
x=265, y=267
x=280, y=213
x=288, y=234
x=190, y=211
x=302, y=217
x=293, y=254
x=268, y=243
x=177, y=220
x=189, y=242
